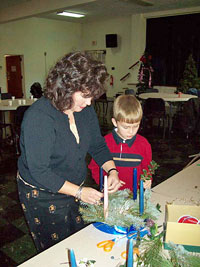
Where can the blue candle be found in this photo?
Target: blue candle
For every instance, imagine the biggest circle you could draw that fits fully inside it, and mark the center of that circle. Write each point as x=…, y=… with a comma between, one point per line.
x=134, y=184
x=141, y=197
x=101, y=179
x=72, y=258
x=130, y=253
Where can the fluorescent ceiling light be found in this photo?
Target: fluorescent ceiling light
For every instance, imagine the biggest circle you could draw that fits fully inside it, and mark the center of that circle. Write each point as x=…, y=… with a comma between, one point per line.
x=70, y=14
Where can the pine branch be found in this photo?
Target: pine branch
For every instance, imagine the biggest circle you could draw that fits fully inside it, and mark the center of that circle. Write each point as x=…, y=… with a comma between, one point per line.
x=152, y=253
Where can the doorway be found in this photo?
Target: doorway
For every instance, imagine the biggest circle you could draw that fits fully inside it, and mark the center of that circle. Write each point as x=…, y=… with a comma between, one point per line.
x=14, y=75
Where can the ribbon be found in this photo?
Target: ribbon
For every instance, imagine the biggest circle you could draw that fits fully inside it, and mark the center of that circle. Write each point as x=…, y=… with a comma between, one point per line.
x=141, y=74
x=149, y=79
x=130, y=232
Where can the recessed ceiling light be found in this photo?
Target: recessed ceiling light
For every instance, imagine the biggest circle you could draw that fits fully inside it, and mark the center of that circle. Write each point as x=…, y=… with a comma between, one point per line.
x=70, y=14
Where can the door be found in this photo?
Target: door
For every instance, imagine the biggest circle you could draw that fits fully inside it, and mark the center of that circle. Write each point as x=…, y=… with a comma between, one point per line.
x=14, y=75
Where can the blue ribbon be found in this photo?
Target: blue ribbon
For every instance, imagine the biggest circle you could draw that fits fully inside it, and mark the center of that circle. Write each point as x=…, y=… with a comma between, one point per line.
x=130, y=232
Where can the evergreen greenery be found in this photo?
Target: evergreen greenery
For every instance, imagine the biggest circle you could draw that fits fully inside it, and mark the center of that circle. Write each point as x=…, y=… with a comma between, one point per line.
x=123, y=210
x=153, y=255
x=190, y=76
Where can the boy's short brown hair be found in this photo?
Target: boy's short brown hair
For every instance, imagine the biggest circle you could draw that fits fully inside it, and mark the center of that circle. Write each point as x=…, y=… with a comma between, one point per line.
x=127, y=109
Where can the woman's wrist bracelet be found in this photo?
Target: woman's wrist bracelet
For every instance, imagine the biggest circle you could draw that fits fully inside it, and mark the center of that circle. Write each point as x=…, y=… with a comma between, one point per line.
x=78, y=193
x=113, y=169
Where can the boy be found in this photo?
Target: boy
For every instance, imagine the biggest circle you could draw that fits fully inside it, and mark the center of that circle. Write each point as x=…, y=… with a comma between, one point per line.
x=129, y=149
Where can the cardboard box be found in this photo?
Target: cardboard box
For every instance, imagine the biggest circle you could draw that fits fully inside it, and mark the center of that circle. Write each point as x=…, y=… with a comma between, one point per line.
x=184, y=234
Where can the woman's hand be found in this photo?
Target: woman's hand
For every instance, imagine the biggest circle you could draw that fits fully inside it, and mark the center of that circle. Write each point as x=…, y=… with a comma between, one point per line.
x=88, y=194
x=91, y=195
x=114, y=183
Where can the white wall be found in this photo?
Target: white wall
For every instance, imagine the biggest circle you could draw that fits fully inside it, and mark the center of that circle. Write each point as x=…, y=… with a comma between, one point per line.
x=131, y=31
x=138, y=43
x=31, y=38
x=34, y=36
x=120, y=57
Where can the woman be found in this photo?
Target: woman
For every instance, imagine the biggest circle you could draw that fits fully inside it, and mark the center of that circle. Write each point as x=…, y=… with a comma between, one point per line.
x=57, y=132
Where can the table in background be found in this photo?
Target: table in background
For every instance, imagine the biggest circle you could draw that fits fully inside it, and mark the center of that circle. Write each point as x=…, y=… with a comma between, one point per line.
x=182, y=188
x=5, y=108
x=170, y=99
x=4, y=104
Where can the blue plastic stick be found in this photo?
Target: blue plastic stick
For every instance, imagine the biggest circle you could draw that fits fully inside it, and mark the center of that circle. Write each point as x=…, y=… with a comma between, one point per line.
x=101, y=179
x=141, y=197
x=134, y=184
x=72, y=258
x=130, y=254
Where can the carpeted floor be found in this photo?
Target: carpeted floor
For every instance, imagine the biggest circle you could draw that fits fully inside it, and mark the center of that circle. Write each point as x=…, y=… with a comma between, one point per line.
x=16, y=245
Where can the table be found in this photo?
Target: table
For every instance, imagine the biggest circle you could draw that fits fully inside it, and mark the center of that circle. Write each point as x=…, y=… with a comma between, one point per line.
x=4, y=106
x=169, y=98
x=180, y=188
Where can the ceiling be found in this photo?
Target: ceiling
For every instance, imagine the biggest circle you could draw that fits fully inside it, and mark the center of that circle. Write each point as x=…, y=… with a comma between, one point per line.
x=10, y=3
x=94, y=9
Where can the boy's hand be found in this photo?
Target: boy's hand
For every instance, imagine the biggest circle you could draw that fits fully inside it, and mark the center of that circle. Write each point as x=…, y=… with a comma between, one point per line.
x=147, y=184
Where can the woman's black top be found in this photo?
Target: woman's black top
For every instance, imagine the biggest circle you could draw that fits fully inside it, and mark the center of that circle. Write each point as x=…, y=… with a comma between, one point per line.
x=50, y=154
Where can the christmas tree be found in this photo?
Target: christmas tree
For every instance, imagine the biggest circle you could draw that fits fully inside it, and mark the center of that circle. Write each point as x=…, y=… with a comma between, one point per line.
x=190, y=76
x=145, y=74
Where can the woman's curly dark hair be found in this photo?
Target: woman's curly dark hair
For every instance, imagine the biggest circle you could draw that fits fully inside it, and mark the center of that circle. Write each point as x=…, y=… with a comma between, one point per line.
x=74, y=72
